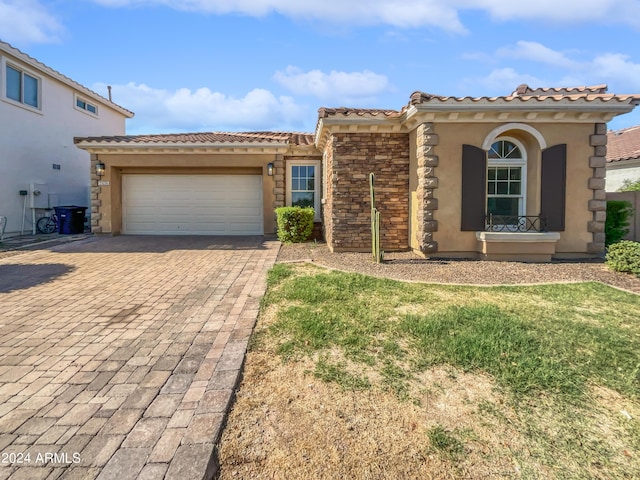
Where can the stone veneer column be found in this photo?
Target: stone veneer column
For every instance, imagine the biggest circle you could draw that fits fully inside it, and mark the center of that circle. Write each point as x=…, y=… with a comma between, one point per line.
x=427, y=204
x=95, y=200
x=278, y=178
x=598, y=203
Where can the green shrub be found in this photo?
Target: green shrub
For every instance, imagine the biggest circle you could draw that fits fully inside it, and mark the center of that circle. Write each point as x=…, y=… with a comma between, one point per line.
x=624, y=256
x=618, y=214
x=295, y=224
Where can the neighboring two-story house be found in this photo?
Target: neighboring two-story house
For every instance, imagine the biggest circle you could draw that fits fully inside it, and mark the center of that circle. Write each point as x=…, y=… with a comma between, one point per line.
x=41, y=111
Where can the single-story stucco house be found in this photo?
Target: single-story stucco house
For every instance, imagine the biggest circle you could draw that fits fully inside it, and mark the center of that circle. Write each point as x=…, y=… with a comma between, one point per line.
x=515, y=177
x=623, y=157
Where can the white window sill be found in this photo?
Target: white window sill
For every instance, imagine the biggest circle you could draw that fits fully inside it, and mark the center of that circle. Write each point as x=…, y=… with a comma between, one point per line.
x=24, y=106
x=518, y=237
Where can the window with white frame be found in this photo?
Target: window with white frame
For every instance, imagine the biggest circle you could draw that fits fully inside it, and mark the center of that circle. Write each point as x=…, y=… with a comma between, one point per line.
x=21, y=86
x=83, y=104
x=303, y=185
x=506, y=180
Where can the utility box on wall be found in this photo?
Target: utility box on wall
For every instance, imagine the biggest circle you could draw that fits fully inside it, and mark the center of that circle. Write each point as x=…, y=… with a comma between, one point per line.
x=38, y=195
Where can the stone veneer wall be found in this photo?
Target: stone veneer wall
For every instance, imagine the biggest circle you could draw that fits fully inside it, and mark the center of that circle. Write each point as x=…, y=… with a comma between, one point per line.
x=95, y=202
x=427, y=203
x=354, y=156
x=598, y=203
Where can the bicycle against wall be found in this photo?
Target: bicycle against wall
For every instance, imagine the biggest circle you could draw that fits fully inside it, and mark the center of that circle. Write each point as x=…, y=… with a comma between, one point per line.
x=48, y=224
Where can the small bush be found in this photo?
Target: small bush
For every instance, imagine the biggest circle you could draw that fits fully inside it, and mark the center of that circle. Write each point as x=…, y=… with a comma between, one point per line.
x=629, y=185
x=624, y=256
x=295, y=224
x=618, y=214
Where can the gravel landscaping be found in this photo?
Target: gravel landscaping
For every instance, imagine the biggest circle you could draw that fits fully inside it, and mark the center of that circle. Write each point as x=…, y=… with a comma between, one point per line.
x=408, y=266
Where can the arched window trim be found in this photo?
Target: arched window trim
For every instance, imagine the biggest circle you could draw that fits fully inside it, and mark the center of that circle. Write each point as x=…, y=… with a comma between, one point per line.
x=497, y=132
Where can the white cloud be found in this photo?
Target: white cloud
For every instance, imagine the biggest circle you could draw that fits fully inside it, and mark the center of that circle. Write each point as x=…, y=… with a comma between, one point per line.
x=558, y=69
x=612, y=68
x=443, y=14
x=347, y=87
x=537, y=52
x=503, y=81
x=565, y=11
x=398, y=13
x=26, y=21
x=183, y=110
x=617, y=67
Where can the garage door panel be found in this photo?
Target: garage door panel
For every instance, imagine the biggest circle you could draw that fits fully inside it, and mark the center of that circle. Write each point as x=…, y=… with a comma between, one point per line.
x=192, y=204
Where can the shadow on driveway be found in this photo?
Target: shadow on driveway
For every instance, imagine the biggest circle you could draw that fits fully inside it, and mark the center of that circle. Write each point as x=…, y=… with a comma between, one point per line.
x=165, y=243
x=20, y=276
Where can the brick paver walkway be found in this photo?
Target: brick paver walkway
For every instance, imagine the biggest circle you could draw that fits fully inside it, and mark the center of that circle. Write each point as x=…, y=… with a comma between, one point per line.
x=119, y=356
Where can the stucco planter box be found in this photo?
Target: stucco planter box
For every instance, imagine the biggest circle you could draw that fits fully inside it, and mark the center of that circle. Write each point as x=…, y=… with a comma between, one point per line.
x=516, y=246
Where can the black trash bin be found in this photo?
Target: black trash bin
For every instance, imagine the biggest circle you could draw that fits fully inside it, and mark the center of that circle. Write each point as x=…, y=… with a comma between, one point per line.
x=70, y=219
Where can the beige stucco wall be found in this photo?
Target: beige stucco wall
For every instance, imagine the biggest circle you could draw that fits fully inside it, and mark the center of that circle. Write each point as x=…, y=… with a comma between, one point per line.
x=451, y=137
x=413, y=186
x=108, y=204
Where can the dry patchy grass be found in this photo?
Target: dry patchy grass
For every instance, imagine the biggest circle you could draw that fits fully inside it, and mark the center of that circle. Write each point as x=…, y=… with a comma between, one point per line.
x=325, y=412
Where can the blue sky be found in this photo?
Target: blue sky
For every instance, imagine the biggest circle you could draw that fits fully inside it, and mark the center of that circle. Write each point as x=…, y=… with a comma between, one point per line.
x=232, y=65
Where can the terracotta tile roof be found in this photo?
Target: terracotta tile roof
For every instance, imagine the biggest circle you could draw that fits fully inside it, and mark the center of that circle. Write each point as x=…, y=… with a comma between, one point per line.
x=11, y=50
x=292, y=138
x=623, y=144
x=524, y=93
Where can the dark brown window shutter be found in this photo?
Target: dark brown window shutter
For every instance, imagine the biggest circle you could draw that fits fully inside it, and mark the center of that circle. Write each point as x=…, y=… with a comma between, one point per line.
x=553, y=187
x=474, y=184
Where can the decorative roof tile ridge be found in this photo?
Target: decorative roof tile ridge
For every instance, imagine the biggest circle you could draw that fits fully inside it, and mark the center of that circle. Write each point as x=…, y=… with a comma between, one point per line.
x=418, y=97
x=325, y=112
x=526, y=90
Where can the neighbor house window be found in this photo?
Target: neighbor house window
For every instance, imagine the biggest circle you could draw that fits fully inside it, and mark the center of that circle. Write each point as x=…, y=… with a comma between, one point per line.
x=22, y=87
x=303, y=185
x=506, y=181
x=84, y=105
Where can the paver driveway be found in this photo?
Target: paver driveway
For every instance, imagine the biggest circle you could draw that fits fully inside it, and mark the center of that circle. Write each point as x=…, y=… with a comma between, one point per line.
x=118, y=355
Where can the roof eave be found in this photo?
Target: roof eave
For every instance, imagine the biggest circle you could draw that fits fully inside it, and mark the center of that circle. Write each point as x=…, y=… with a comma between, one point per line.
x=502, y=111
x=354, y=123
x=182, y=147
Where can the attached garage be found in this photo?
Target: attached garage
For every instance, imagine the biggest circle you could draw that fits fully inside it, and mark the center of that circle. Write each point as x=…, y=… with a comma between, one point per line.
x=192, y=204
x=208, y=183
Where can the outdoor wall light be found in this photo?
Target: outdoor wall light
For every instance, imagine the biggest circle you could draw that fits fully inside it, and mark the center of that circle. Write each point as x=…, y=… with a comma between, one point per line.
x=100, y=169
x=270, y=169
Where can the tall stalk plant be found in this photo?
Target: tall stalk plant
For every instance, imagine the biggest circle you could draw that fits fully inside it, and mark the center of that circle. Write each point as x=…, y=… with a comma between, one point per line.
x=375, y=223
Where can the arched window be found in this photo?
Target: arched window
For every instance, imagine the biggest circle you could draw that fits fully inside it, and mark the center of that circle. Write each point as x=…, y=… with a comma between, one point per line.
x=506, y=180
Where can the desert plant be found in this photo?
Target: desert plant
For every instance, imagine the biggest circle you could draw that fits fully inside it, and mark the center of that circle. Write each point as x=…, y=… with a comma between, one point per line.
x=624, y=257
x=618, y=214
x=375, y=223
x=295, y=224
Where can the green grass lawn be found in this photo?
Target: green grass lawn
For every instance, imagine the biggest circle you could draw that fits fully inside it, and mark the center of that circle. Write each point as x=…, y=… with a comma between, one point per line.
x=566, y=357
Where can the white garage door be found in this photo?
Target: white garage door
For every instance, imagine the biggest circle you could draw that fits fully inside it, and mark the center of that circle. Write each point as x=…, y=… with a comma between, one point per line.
x=192, y=204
